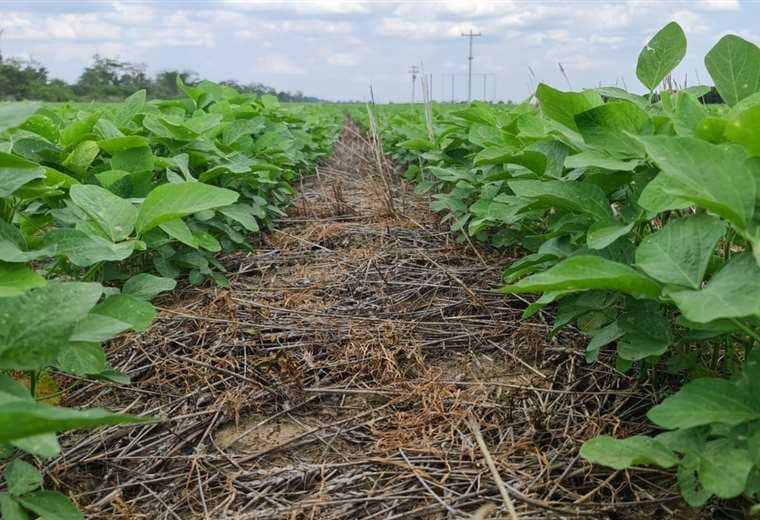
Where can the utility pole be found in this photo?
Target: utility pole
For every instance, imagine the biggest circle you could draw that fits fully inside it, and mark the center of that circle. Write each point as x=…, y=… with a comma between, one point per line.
x=414, y=70
x=470, y=35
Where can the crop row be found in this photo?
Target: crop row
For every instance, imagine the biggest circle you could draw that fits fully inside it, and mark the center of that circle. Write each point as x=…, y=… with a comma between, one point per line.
x=638, y=218
x=102, y=208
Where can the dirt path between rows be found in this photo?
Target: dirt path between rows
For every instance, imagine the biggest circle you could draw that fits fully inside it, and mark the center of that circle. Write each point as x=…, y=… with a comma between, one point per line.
x=361, y=366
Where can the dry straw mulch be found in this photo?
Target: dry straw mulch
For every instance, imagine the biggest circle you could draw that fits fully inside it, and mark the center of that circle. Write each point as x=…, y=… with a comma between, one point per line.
x=361, y=366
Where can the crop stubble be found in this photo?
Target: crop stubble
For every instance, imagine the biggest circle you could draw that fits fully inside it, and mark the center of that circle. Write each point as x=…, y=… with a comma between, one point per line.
x=347, y=374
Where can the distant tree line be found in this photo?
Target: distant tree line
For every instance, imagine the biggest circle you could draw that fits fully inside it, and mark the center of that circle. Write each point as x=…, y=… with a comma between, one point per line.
x=108, y=79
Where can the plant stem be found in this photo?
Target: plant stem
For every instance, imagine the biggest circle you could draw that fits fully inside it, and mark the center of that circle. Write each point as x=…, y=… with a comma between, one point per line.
x=33, y=383
x=747, y=330
x=727, y=244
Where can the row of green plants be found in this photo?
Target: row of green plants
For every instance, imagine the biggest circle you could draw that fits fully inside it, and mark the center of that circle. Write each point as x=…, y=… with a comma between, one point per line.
x=102, y=208
x=638, y=215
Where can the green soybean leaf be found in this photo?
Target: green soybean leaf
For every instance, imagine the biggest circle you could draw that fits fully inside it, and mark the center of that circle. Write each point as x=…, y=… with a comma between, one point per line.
x=51, y=505
x=114, y=215
x=83, y=249
x=203, y=123
x=57, y=179
x=743, y=128
x=606, y=127
x=602, y=337
x=724, y=468
x=12, y=391
x=240, y=127
x=580, y=273
x=132, y=106
x=576, y=196
x=36, y=149
x=751, y=380
x=42, y=445
x=734, y=65
x=564, y=106
x=97, y=328
x=619, y=93
x=139, y=314
x=107, y=130
x=679, y=252
x=661, y=55
x=15, y=172
x=599, y=159
x=133, y=160
x=655, y=196
x=240, y=213
x=711, y=176
x=21, y=477
x=625, y=453
x=16, y=279
x=178, y=230
x=81, y=157
x=12, y=242
x=602, y=233
x=110, y=177
x=171, y=201
x=43, y=126
x=208, y=242
x=118, y=144
x=647, y=331
x=691, y=489
x=14, y=114
x=84, y=358
x=734, y=292
x=532, y=160
x=753, y=444
x=687, y=113
x=10, y=509
x=705, y=401
x=21, y=420
x=146, y=286
x=35, y=326
x=78, y=129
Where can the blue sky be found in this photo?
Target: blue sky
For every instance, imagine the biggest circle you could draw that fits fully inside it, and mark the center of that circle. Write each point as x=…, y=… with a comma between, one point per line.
x=335, y=49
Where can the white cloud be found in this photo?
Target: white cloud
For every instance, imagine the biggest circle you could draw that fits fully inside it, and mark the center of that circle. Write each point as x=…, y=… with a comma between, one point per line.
x=314, y=27
x=279, y=42
x=131, y=14
x=479, y=12
x=74, y=26
x=612, y=42
x=719, y=5
x=277, y=64
x=246, y=35
x=80, y=54
x=179, y=29
x=338, y=58
x=454, y=8
x=605, y=16
x=302, y=7
x=572, y=62
x=690, y=21
x=412, y=30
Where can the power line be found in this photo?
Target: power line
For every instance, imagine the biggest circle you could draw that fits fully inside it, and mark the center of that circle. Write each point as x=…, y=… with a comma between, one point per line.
x=489, y=83
x=470, y=35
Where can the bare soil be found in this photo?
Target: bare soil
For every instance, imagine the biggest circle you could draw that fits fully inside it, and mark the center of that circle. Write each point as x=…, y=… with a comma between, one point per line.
x=349, y=372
